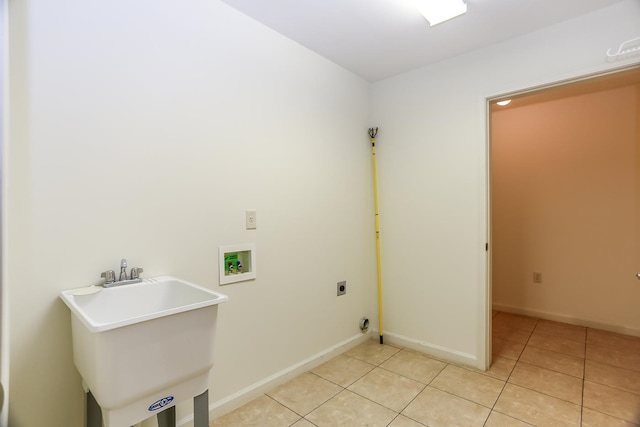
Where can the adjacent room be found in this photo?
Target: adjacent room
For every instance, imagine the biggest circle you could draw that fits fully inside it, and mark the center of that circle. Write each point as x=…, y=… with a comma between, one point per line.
x=564, y=186
x=224, y=144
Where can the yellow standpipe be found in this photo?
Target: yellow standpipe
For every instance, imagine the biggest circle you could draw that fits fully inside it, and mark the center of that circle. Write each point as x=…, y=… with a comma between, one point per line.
x=372, y=134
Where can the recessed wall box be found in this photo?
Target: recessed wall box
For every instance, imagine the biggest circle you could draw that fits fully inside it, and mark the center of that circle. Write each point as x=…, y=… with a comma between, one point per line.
x=237, y=263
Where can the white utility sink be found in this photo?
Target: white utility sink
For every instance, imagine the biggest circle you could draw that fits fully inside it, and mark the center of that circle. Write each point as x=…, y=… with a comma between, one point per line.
x=143, y=347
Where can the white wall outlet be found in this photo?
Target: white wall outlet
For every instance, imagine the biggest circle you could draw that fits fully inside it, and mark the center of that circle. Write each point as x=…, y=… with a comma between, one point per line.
x=250, y=218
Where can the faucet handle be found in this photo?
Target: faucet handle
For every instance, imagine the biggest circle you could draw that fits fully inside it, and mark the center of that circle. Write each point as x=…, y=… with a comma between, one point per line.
x=135, y=272
x=109, y=276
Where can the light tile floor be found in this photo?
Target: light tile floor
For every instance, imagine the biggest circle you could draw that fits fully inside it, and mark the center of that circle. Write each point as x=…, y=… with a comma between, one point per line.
x=543, y=374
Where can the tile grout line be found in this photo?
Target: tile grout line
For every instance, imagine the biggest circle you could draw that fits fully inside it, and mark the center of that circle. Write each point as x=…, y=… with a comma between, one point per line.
x=405, y=407
x=420, y=392
x=506, y=381
x=353, y=382
x=313, y=373
x=584, y=375
x=551, y=351
x=400, y=349
x=552, y=370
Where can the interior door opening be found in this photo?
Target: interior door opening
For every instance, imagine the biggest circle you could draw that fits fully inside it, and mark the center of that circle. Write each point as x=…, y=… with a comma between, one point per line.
x=564, y=186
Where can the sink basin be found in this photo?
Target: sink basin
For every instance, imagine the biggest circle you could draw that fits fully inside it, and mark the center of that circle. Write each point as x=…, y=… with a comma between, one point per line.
x=139, y=344
x=101, y=309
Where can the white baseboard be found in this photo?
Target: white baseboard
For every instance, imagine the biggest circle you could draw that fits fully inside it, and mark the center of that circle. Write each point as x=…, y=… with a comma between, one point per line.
x=247, y=394
x=566, y=319
x=444, y=353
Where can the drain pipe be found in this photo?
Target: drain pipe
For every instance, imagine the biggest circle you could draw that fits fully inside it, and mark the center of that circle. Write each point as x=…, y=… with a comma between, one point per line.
x=372, y=135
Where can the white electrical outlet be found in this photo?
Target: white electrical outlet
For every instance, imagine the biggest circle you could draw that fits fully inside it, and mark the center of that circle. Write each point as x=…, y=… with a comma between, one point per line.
x=250, y=218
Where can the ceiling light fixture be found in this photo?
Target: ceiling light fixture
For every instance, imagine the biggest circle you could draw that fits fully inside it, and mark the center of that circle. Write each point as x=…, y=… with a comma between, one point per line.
x=503, y=103
x=437, y=11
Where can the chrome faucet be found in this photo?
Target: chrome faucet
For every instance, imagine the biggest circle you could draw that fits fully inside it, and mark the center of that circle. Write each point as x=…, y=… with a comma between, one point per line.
x=123, y=270
x=110, y=276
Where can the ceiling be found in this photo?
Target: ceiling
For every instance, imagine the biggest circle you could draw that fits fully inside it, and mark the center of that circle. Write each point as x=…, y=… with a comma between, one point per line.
x=376, y=39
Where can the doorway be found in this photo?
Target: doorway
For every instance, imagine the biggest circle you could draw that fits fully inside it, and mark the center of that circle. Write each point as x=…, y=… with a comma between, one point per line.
x=565, y=202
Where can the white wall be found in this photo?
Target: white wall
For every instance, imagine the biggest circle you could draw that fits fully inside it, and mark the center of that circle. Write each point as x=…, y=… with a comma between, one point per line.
x=564, y=182
x=433, y=167
x=144, y=130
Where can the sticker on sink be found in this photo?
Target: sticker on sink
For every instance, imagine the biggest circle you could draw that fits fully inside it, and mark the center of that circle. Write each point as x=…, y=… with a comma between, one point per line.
x=161, y=403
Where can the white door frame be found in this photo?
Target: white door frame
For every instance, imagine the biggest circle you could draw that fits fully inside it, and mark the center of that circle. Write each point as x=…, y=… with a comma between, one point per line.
x=4, y=125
